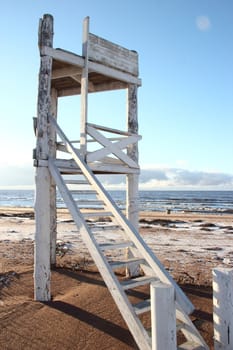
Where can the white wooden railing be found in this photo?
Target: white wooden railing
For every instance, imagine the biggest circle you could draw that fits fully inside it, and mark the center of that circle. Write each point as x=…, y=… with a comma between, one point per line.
x=111, y=150
x=223, y=308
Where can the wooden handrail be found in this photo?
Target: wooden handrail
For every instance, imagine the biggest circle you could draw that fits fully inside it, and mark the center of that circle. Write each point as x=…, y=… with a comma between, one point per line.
x=92, y=140
x=114, y=131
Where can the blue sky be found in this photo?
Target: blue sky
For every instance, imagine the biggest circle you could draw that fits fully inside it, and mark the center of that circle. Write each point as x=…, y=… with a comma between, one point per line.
x=185, y=103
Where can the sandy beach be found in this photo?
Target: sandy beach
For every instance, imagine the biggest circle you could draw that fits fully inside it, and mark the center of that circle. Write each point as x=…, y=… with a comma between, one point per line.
x=82, y=314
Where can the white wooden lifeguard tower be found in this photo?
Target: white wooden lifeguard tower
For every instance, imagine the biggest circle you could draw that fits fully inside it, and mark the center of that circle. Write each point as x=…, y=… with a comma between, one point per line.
x=103, y=66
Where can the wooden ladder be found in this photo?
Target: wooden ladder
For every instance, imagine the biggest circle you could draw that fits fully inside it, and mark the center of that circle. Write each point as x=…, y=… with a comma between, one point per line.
x=129, y=238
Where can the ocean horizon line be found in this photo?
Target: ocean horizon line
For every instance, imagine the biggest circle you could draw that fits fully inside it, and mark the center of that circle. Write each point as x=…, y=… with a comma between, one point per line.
x=149, y=200
x=115, y=188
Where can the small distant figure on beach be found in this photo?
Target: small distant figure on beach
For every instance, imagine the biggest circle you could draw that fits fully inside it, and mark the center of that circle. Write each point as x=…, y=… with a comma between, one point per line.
x=168, y=211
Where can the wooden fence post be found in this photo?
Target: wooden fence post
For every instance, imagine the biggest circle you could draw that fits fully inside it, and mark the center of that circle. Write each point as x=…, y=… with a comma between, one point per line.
x=223, y=308
x=163, y=316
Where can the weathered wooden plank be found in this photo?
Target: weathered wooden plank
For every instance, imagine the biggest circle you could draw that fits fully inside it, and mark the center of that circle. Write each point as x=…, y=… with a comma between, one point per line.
x=69, y=57
x=101, y=153
x=53, y=198
x=42, y=203
x=114, y=73
x=123, y=263
x=111, y=147
x=66, y=72
x=82, y=191
x=111, y=130
x=89, y=202
x=43, y=106
x=108, y=227
x=70, y=167
x=84, y=90
x=112, y=169
x=132, y=119
x=63, y=56
x=111, y=161
x=112, y=85
x=138, y=281
x=42, y=236
x=116, y=245
x=76, y=182
x=97, y=214
x=91, y=140
x=132, y=180
x=45, y=33
x=113, y=55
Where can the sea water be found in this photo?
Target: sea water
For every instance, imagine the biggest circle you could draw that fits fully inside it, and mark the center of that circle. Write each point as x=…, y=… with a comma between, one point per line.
x=160, y=201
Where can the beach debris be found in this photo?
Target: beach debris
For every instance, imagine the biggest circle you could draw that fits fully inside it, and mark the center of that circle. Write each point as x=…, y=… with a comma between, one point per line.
x=7, y=278
x=79, y=263
x=208, y=225
x=186, y=278
x=82, y=264
x=62, y=248
x=29, y=215
x=213, y=248
x=162, y=222
x=227, y=261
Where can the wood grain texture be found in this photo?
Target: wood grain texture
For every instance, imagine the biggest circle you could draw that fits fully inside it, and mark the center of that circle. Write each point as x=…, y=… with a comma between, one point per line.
x=113, y=55
x=43, y=178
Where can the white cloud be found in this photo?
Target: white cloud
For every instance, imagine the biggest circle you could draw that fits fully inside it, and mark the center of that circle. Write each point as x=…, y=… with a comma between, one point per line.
x=178, y=178
x=156, y=177
x=163, y=177
x=203, y=23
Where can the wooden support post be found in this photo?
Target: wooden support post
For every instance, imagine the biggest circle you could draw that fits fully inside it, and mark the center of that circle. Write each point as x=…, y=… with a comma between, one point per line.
x=84, y=90
x=132, y=195
x=132, y=151
x=163, y=316
x=42, y=203
x=223, y=308
x=53, y=202
x=42, y=236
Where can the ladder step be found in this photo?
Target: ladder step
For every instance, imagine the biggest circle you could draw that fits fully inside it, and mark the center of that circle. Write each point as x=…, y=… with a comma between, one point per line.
x=138, y=281
x=142, y=307
x=89, y=202
x=69, y=170
x=76, y=182
x=119, y=245
x=96, y=228
x=97, y=214
x=125, y=263
x=191, y=346
x=82, y=192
